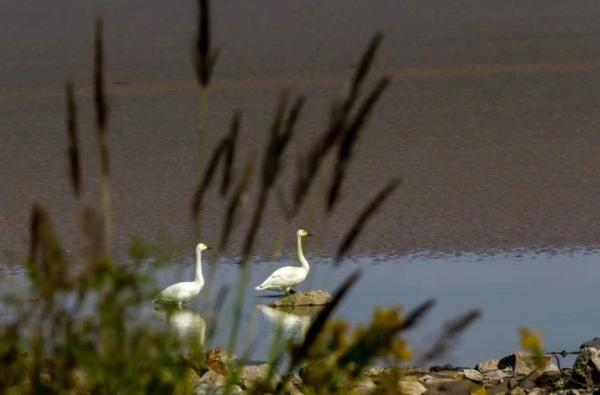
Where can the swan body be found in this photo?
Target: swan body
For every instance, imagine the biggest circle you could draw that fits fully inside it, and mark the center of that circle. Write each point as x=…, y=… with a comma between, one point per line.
x=285, y=278
x=182, y=292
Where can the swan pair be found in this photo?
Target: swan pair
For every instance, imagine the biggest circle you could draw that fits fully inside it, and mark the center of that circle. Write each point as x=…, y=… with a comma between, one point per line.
x=282, y=279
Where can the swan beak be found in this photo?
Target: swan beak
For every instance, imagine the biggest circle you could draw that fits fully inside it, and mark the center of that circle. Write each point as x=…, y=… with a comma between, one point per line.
x=209, y=248
x=309, y=234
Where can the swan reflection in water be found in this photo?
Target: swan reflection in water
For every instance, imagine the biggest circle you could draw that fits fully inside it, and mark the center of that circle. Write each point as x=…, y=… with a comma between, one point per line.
x=294, y=322
x=187, y=323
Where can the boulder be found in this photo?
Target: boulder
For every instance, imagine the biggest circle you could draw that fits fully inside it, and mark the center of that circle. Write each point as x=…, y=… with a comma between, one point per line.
x=524, y=363
x=587, y=366
x=310, y=298
x=218, y=359
x=494, y=376
x=594, y=343
x=212, y=379
x=487, y=366
x=365, y=386
x=450, y=387
x=473, y=375
x=409, y=385
x=255, y=373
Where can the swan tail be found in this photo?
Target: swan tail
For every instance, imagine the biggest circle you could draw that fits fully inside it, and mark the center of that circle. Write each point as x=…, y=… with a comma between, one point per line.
x=259, y=287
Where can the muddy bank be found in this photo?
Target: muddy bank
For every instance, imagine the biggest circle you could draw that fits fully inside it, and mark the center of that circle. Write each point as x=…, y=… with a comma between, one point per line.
x=491, y=119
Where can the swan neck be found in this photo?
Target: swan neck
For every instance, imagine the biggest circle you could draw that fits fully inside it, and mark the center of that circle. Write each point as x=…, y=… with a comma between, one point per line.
x=199, y=277
x=301, y=257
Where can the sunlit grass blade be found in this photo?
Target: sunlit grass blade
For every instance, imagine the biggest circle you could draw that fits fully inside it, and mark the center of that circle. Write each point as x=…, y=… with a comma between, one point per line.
x=361, y=220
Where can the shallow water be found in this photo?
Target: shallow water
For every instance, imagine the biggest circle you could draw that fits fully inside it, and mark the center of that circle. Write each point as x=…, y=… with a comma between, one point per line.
x=550, y=292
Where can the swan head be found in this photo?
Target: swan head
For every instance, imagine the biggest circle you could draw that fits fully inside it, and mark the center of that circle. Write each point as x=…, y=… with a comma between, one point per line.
x=202, y=247
x=303, y=233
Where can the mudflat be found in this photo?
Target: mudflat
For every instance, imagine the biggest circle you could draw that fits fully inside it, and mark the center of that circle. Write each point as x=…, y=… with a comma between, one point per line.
x=491, y=120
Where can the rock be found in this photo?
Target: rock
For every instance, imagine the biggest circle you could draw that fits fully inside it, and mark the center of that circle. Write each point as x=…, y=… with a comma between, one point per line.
x=587, y=366
x=473, y=375
x=523, y=363
x=292, y=389
x=487, y=366
x=205, y=389
x=494, y=377
x=212, y=379
x=409, y=385
x=373, y=371
x=426, y=379
x=450, y=387
x=517, y=391
x=594, y=343
x=255, y=373
x=310, y=298
x=218, y=359
x=191, y=379
x=365, y=386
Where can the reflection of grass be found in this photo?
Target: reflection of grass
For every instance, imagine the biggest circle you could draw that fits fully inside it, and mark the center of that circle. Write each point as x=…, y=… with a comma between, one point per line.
x=55, y=345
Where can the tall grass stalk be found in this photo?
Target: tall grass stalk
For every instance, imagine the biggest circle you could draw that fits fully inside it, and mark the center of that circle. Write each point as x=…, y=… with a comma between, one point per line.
x=101, y=107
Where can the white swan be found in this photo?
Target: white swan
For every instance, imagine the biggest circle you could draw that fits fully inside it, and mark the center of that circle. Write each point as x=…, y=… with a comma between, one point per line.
x=284, y=278
x=182, y=292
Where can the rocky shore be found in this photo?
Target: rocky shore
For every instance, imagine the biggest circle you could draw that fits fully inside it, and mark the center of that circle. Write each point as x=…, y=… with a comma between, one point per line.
x=515, y=374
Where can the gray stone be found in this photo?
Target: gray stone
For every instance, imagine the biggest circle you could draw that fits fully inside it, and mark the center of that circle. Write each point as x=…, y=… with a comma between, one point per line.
x=365, y=386
x=409, y=385
x=310, y=298
x=473, y=375
x=487, y=366
x=524, y=363
x=494, y=377
x=587, y=366
x=212, y=379
x=255, y=373
x=594, y=343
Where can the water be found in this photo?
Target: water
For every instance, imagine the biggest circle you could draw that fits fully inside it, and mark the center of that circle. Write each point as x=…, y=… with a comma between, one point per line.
x=549, y=292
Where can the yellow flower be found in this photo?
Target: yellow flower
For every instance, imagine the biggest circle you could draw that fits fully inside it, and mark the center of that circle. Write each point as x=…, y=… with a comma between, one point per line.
x=531, y=341
x=479, y=391
x=401, y=350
